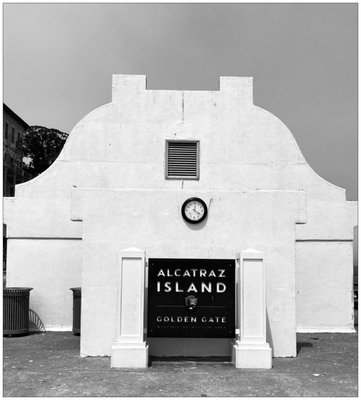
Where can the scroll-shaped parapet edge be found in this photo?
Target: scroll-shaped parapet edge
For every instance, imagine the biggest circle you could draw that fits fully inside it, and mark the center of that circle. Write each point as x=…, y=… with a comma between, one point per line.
x=242, y=87
x=124, y=84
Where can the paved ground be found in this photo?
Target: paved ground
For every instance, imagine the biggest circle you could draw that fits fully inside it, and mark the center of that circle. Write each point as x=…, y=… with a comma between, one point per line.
x=49, y=365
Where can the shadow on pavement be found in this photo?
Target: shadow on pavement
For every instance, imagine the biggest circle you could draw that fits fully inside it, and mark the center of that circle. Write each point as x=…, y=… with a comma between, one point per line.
x=300, y=345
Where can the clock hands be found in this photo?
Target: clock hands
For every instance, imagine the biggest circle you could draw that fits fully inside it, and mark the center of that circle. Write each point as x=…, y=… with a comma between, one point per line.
x=194, y=209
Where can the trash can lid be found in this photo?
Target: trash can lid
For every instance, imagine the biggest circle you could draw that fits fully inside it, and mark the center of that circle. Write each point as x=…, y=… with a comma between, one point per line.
x=16, y=290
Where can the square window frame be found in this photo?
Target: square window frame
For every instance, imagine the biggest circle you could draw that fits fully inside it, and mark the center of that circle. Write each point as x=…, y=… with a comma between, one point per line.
x=182, y=177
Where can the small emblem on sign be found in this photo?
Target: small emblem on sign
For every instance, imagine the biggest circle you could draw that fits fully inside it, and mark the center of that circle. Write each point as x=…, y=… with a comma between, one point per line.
x=191, y=302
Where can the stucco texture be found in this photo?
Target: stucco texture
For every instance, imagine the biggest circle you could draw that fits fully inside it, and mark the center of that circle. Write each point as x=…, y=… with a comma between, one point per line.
x=264, y=219
x=119, y=151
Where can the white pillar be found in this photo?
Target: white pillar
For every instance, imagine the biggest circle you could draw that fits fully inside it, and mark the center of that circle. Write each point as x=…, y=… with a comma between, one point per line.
x=130, y=350
x=250, y=349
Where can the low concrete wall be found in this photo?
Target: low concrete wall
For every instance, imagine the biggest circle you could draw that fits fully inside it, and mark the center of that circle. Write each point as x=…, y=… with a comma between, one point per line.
x=50, y=267
x=324, y=285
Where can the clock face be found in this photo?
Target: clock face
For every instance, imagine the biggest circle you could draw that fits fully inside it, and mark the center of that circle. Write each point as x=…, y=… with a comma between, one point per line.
x=194, y=210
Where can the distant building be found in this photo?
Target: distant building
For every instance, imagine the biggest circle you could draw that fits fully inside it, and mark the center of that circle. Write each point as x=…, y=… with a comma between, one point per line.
x=13, y=172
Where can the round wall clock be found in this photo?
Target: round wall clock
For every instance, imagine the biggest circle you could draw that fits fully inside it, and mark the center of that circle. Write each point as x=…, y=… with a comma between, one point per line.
x=194, y=210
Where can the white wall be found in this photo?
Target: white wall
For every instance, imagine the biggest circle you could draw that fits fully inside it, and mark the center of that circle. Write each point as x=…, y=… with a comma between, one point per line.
x=324, y=283
x=122, y=145
x=116, y=219
x=50, y=267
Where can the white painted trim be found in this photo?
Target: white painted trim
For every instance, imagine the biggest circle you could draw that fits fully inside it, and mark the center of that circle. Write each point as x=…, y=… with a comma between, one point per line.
x=130, y=350
x=250, y=349
x=59, y=328
x=325, y=330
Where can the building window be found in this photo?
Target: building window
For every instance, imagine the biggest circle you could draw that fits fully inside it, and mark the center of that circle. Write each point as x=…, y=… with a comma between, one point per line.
x=182, y=159
x=6, y=130
x=12, y=135
x=19, y=138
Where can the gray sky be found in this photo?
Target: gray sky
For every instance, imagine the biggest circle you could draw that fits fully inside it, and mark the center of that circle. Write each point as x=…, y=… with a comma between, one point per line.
x=59, y=58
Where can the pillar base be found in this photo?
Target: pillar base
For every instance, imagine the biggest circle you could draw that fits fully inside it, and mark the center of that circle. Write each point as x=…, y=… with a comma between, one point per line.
x=251, y=355
x=129, y=355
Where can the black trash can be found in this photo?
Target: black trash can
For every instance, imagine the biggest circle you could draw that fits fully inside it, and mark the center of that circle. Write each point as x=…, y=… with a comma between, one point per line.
x=16, y=310
x=76, y=310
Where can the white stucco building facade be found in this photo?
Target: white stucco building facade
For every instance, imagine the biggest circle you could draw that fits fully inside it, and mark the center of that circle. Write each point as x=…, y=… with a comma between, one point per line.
x=108, y=191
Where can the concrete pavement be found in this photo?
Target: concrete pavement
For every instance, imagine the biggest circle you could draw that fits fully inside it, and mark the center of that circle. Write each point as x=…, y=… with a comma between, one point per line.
x=49, y=365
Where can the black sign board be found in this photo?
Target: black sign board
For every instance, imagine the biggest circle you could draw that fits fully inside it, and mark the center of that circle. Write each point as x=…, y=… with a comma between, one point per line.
x=191, y=298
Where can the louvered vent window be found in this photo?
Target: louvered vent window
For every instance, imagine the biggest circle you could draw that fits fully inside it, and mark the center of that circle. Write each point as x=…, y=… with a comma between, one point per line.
x=182, y=159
